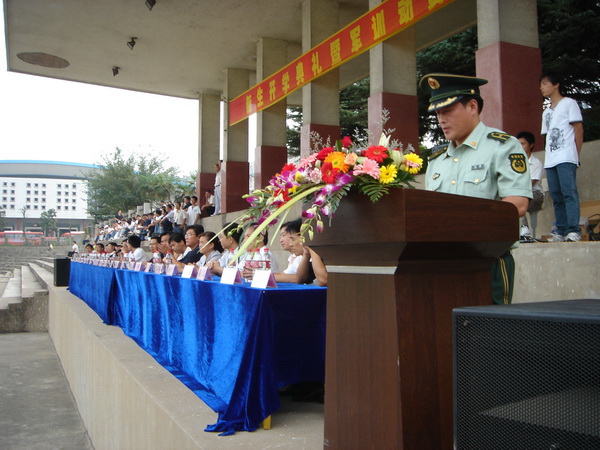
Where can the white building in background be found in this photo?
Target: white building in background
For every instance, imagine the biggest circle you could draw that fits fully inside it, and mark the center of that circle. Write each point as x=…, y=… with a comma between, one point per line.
x=39, y=186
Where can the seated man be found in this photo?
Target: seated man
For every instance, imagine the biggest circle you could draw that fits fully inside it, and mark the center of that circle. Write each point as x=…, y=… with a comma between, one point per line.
x=304, y=265
x=192, y=254
x=100, y=248
x=230, y=241
x=178, y=247
x=137, y=254
x=527, y=140
x=111, y=249
x=156, y=255
x=164, y=246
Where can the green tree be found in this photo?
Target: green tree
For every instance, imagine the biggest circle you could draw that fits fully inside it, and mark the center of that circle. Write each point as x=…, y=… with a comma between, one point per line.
x=293, y=124
x=127, y=182
x=2, y=219
x=48, y=221
x=453, y=55
x=354, y=111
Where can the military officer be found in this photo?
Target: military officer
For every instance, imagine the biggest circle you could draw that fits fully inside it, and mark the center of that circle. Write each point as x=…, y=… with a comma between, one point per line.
x=479, y=161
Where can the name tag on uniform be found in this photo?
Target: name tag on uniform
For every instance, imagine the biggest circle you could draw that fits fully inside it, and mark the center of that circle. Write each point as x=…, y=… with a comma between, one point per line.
x=478, y=167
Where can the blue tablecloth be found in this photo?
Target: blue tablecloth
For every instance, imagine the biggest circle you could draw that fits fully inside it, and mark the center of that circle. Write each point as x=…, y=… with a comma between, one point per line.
x=234, y=346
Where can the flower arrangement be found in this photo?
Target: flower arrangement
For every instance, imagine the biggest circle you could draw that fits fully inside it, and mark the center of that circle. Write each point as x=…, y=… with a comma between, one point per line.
x=327, y=175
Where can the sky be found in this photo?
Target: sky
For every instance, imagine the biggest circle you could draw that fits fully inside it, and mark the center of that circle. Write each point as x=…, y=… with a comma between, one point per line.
x=55, y=120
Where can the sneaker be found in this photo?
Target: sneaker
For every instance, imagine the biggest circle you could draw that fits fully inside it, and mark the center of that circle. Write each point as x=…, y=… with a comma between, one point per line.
x=527, y=239
x=573, y=237
x=525, y=231
x=557, y=238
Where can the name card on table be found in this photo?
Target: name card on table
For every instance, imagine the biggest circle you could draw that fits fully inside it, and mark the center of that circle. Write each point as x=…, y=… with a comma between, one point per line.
x=172, y=270
x=138, y=266
x=231, y=275
x=159, y=269
x=95, y=262
x=204, y=274
x=148, y=268
x=263, y=279
x=131, y=265
x=189, y=271
x=123, y=265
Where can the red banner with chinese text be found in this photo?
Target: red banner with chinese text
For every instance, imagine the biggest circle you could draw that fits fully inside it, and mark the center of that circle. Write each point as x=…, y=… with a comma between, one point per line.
x=370, y=29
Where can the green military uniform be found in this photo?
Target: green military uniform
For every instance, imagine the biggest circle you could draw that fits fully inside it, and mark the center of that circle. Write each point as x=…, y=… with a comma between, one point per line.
x=488, y=164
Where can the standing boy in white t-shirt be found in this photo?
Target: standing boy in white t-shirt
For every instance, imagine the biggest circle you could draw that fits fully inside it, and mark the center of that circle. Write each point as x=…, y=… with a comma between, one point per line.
x=562, y=125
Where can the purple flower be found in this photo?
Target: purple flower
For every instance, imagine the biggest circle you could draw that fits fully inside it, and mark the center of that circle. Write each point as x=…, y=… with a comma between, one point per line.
x=308, y=214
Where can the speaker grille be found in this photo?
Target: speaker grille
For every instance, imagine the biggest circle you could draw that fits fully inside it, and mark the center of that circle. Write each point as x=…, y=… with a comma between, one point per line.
x=526, y=384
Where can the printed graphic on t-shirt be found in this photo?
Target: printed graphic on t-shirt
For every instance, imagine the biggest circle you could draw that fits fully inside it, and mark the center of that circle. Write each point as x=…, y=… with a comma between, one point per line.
x=556, y=139
x=548, y=117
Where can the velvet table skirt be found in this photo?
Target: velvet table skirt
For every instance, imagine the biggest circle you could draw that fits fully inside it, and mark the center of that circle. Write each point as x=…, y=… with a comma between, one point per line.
x=233, y=345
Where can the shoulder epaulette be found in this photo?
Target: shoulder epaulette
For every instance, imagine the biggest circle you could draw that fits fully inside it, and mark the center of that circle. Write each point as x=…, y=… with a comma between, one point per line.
x=499, y=136
x=437, y=151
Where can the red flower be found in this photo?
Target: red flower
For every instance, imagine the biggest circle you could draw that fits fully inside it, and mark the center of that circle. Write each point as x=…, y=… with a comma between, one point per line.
x=346, y=141
x=323, y=153
x=376, y=153
x=288, y=168
x=329, y=173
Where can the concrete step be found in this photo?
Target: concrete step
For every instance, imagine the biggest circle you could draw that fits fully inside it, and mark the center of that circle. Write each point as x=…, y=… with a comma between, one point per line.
x=29, y=283
x=48, y=265
x=12, y=292
x=42, y=274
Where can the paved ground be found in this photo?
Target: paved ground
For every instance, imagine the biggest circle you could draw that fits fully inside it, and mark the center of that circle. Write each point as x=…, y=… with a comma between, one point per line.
x=37, y=410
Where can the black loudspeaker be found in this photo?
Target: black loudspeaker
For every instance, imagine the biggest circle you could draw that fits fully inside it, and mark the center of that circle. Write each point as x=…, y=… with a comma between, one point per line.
x=62, y=269
x=527, y=376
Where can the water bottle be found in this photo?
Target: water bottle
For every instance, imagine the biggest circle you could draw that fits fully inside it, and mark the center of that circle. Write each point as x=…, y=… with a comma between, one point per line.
x=266, y=258
x=156, y=258
x=169, y=258
x=256, y=260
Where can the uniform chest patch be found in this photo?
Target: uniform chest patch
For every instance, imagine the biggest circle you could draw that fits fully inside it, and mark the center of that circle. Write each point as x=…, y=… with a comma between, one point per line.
x=517, y=162
x=478, y=167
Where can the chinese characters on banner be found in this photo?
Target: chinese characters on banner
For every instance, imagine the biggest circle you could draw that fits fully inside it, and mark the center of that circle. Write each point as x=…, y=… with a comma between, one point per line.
x=370, y=29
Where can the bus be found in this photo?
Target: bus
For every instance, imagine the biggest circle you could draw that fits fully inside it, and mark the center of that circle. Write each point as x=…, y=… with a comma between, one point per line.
x=34, y=237
x=14, y=237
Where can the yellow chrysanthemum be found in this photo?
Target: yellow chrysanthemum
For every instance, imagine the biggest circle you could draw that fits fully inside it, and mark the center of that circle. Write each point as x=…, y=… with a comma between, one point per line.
x=387, y=174
x=293, y=190
x=337, y=160
x=412, y=163
x=299, y=177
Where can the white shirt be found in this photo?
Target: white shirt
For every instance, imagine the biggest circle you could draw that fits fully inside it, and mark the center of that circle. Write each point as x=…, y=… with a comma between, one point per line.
x=536, y=170
x=293, y=263
x=139, y=255
x=227, y=256
x=218, y=179
x=192, y=212
x=214, y=256
x=557, y=125
x=75, y=248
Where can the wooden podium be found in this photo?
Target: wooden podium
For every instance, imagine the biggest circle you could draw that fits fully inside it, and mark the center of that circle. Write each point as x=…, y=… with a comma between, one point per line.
x=397, y=268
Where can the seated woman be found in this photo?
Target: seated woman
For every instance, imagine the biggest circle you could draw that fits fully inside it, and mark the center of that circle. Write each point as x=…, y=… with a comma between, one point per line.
x=210, y=247
x=261, y=241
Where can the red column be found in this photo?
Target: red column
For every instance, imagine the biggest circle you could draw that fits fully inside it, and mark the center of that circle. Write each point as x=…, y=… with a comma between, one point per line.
x=331, y=132
x=268, y=160
x=403, y=117
x=234, y=184
x=512, y=96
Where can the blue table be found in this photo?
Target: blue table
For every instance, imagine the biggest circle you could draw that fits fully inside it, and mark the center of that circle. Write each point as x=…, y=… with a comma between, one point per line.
x=234, y=346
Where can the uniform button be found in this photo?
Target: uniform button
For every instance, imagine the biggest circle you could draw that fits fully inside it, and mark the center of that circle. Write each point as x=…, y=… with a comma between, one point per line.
x=476, y=180
x=453, y=181
x=455, y=159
